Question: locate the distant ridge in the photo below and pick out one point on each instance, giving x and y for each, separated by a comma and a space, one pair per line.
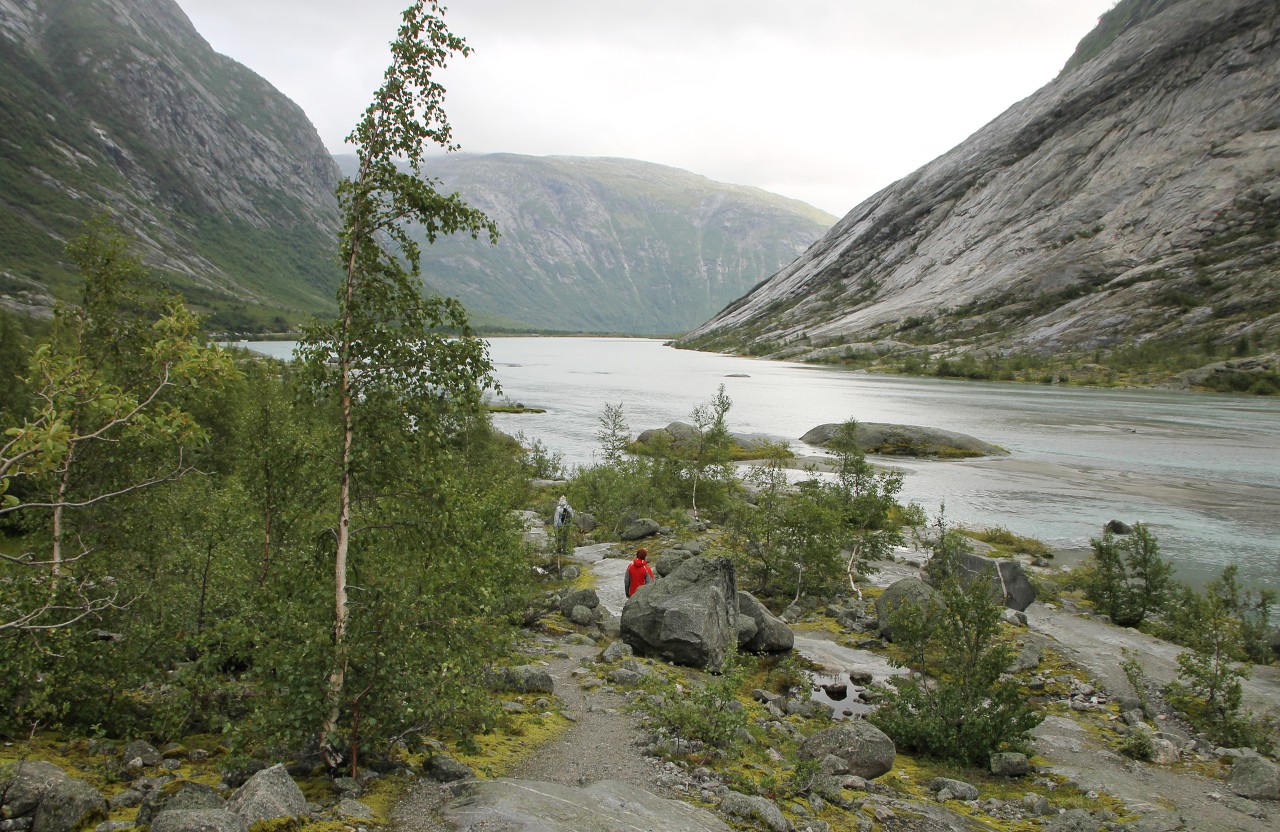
610, 245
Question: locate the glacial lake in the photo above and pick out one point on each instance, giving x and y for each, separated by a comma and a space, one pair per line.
1202, 470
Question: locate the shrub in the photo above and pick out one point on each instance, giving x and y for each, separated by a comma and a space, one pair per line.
969, 710
1128, 579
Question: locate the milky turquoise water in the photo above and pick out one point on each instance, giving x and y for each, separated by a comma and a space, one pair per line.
1202, 470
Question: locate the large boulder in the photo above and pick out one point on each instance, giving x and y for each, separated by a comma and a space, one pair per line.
269, 794
669, 560
1009, 583
865, 749
676, 433
908, 440
179, 795
689, 617
199, 820
53, 800
1255, 777
905, 591
772, 635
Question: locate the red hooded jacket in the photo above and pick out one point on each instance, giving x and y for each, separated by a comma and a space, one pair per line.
639, 573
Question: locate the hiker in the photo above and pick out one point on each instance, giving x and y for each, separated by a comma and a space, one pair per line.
563, 513
639, 572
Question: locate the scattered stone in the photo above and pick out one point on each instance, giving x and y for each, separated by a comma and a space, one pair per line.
570, 573
582, 616
126, 799
1028, 658
1118, 527
1073, 820
269, 794
754, 809
1009, 764
528, 678
625, 678
353, 810
960, 789
578, 598
199, 820
615, 651
445, 769
1036, 804
141, 751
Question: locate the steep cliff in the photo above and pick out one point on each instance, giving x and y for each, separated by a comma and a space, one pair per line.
120, 106
1136, 198
610, 245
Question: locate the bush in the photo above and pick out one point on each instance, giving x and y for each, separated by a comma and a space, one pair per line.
1128, 579
708, 713
969, 710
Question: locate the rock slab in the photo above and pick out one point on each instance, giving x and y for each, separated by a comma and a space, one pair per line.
605, 806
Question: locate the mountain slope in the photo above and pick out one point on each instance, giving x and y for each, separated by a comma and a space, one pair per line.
610, 245
1136, 198
121, 106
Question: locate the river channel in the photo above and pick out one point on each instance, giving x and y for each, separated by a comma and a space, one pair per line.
1202, 470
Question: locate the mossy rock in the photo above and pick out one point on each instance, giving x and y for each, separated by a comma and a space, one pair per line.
908, 440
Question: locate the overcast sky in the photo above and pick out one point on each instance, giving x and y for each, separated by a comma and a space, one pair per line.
821, 100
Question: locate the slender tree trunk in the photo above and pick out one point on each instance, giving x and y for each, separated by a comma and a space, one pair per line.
64, 483
337, 676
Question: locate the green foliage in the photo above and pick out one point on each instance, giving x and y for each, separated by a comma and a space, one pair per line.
707, 713
819, 533
1208, 689
1128, 580
614, 434
968, 711
1138, 744
541, 461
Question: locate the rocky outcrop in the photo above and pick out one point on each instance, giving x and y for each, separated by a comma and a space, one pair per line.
689, 617
767, 633
199, 820
1136, 195
908, 440
124, 108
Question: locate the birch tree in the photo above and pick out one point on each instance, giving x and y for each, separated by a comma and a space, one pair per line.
396, 361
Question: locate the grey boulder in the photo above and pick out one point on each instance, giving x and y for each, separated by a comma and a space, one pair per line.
689, 618
865, 749
578, 598
1009, 583
199, 820
269, 794
1256, 778
905, 591
445, 769
1009, 764
55, 801
525, 678
760, 812
605, 806
772, 635
141, 751
640, 528
180, 795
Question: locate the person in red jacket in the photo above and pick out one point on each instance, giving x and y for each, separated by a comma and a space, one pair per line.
639, 572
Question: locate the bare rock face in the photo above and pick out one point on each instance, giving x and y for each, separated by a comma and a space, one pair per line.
123, 107
605, 806
1137, 193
